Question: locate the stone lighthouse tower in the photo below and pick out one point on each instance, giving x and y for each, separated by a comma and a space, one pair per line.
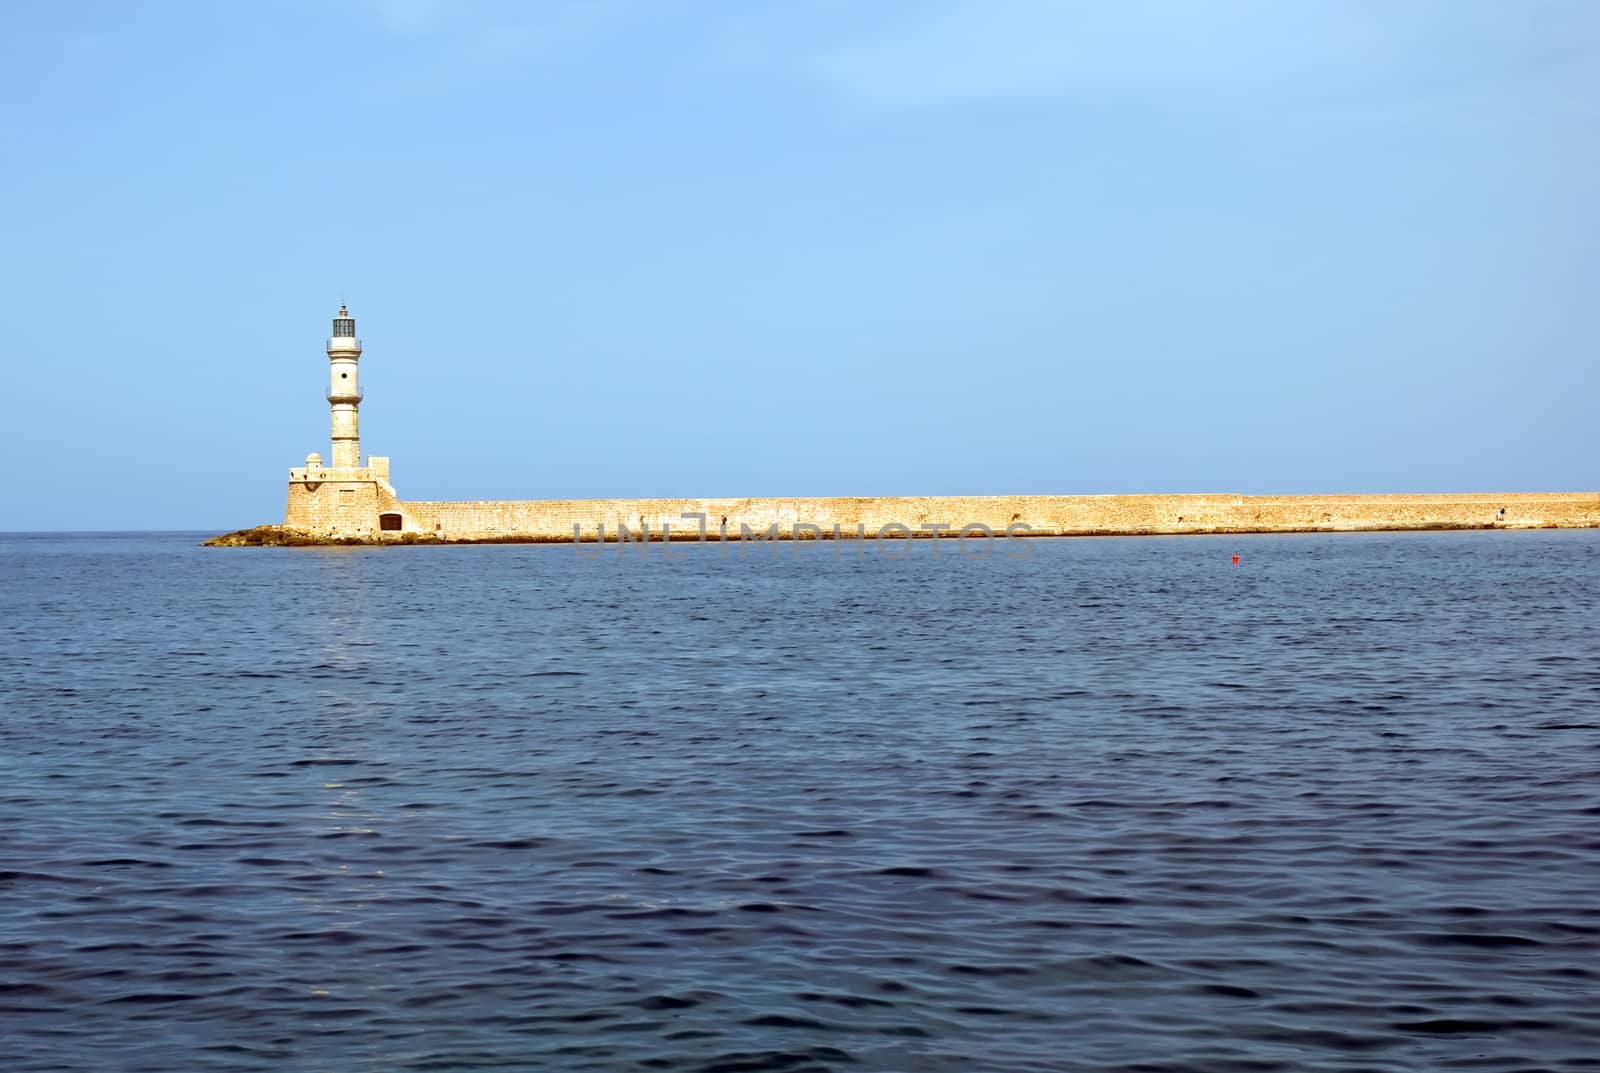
344, 390
344, 498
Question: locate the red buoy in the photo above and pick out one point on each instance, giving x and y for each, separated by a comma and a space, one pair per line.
1235, 560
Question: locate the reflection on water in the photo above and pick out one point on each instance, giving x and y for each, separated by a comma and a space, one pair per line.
1120, 805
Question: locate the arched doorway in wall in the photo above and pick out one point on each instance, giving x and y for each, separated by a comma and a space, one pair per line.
389, 522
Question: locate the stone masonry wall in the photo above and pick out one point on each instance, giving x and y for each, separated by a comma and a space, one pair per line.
1042, 515
333, 506
342, 502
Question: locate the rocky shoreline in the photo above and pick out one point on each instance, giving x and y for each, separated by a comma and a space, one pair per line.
279, 536
283, 536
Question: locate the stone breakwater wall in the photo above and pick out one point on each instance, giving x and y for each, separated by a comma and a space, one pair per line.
554, 520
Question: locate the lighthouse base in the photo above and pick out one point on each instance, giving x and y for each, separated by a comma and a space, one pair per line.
344, 501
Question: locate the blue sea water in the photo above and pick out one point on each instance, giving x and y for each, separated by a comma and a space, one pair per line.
1118, 804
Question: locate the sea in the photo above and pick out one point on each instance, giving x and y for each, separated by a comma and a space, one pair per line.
1047, 805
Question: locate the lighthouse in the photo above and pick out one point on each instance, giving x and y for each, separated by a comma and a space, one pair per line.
344, 498
344, 390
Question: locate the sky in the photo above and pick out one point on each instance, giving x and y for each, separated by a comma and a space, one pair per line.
620, 248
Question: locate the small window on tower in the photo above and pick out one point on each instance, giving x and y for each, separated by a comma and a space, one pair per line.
344, 328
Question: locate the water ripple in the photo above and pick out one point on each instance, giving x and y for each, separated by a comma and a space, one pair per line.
1117, 806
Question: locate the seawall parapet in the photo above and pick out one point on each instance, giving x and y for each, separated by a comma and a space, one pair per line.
787, 518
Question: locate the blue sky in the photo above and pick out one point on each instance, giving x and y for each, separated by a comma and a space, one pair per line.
741, 248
